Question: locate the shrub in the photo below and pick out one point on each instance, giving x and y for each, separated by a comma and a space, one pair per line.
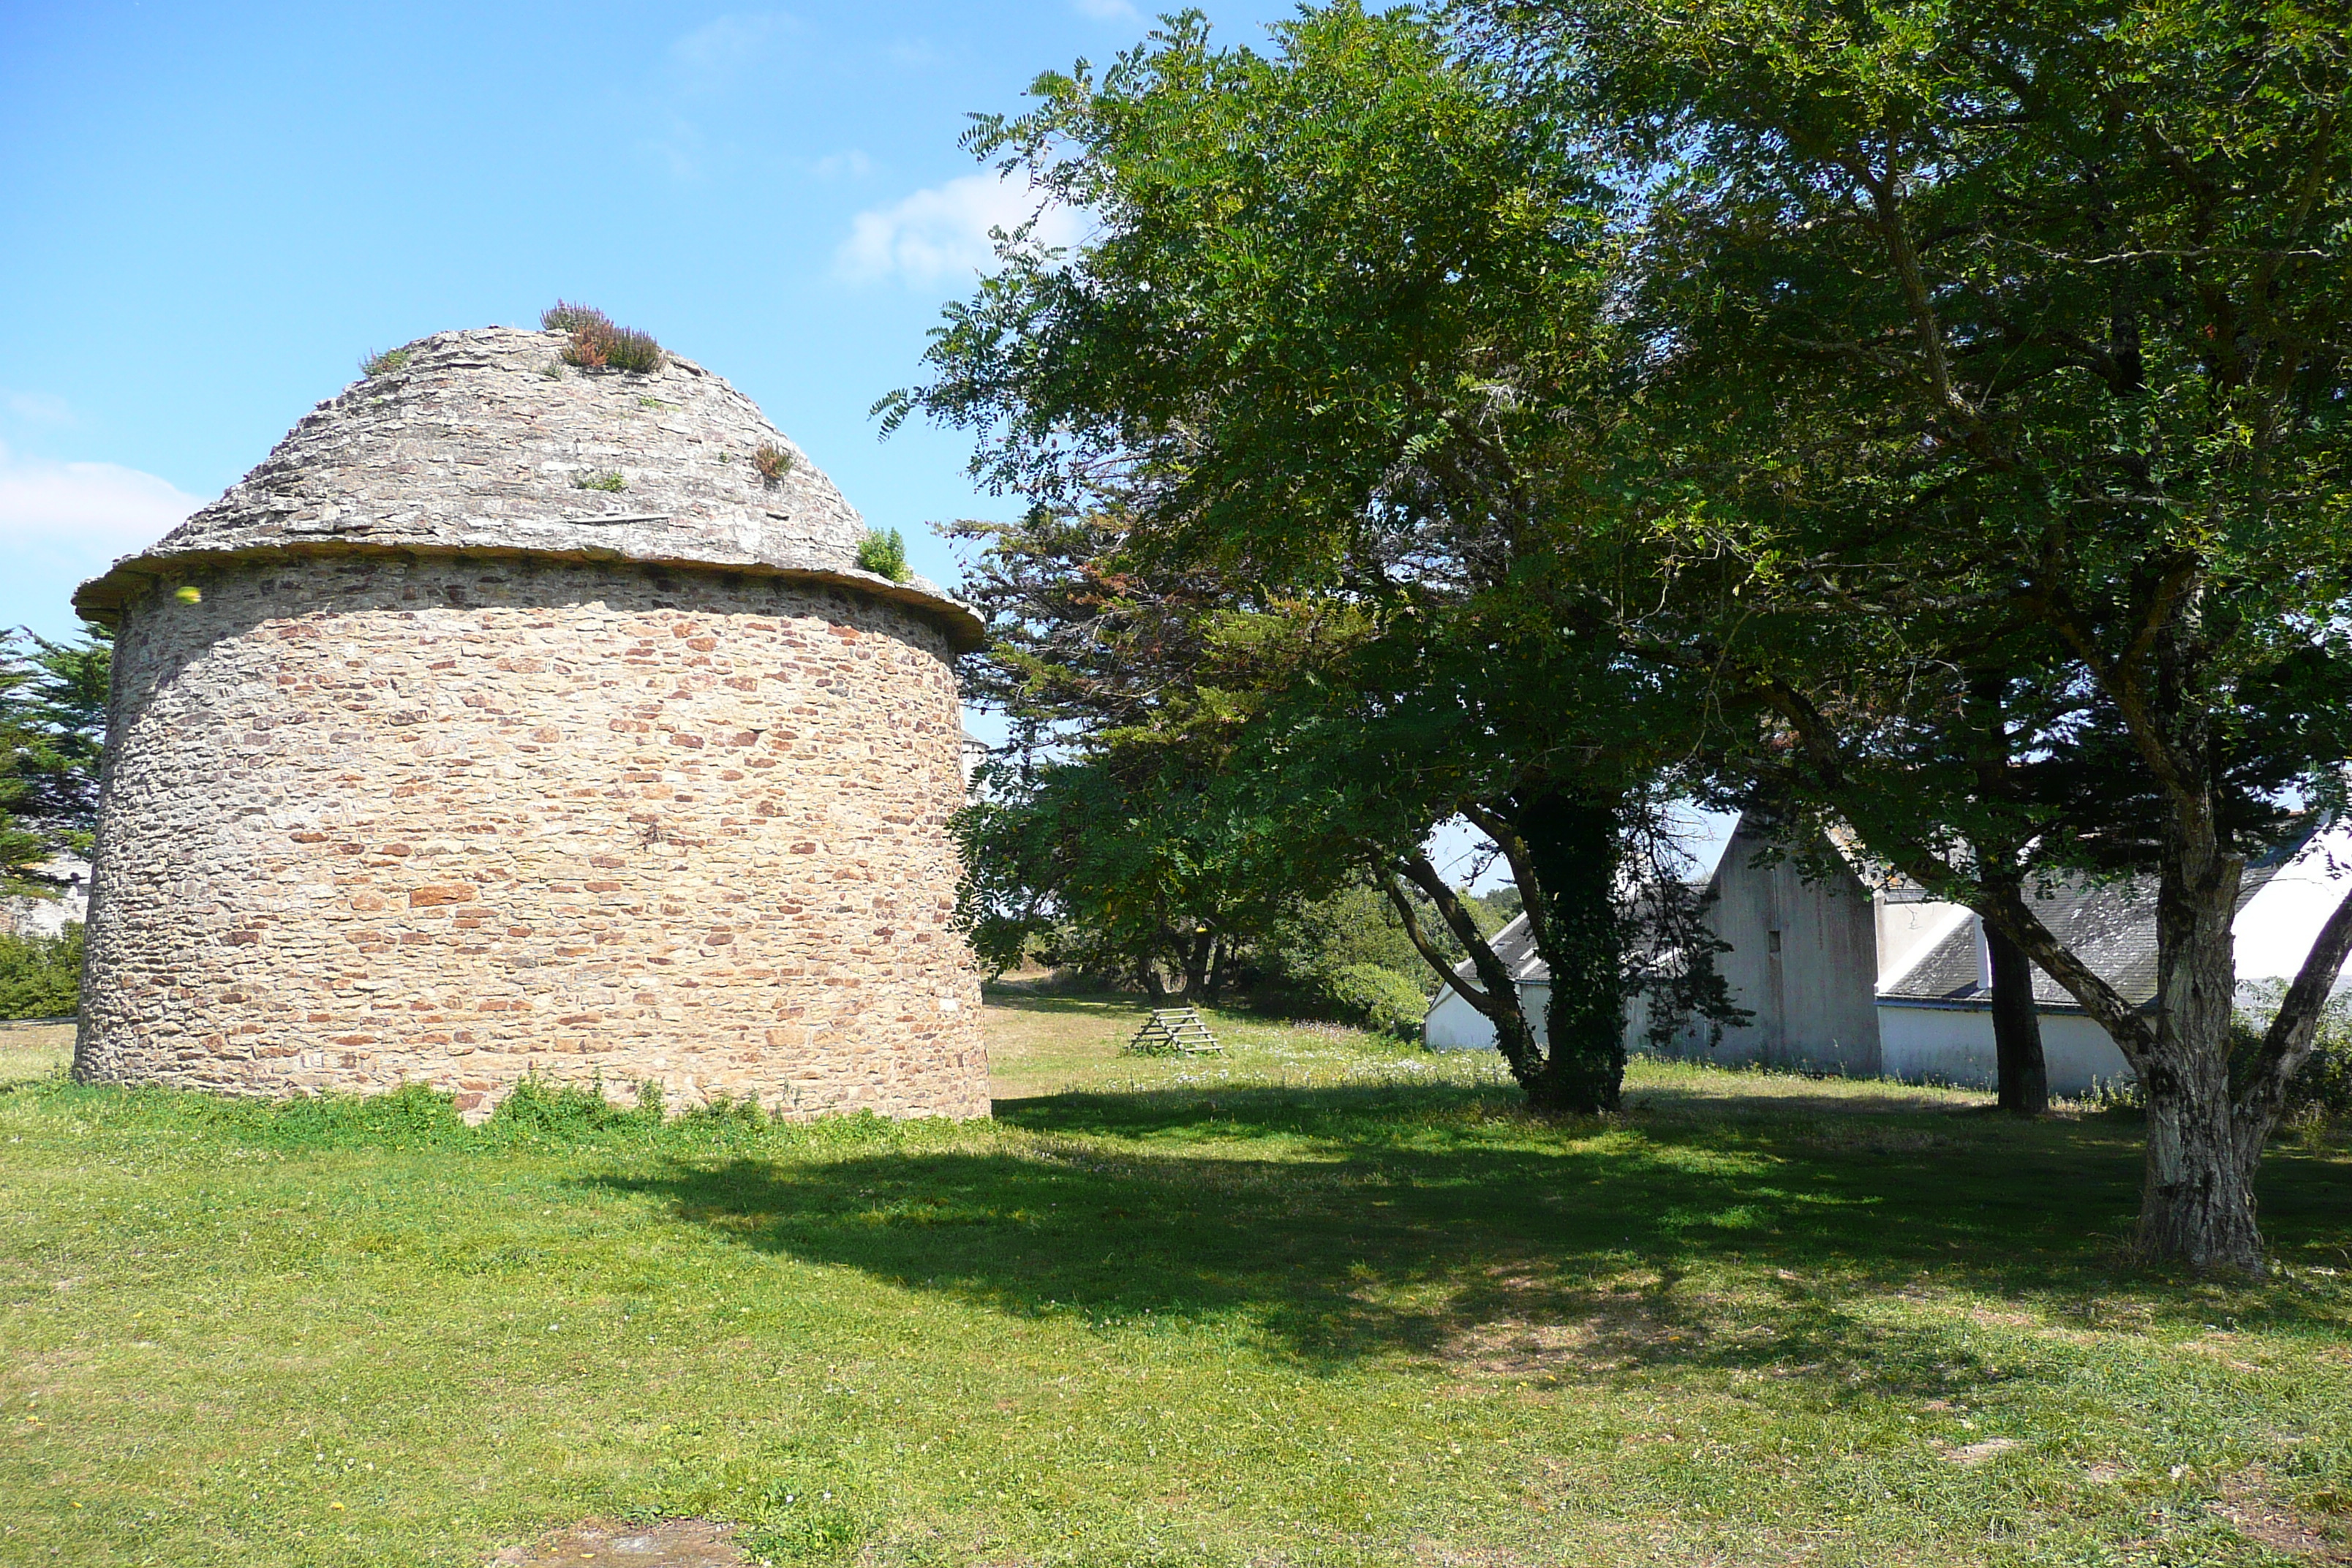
596, 344
601, 480
884, 554
774, 463
2320, 1093
538, 1107
374, 365
40, 976
566, 317
1377, 998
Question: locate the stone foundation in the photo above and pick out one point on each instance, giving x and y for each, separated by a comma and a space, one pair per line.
376, 819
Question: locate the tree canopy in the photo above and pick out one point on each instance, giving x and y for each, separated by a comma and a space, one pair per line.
52, 738
1929, 420
1996, 361
1308, 434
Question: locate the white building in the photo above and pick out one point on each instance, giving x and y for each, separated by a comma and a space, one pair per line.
47, 917
1841, 980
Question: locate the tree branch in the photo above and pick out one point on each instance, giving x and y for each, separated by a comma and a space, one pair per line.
1523, 871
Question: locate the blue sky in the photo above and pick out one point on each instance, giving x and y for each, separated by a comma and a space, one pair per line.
212, 211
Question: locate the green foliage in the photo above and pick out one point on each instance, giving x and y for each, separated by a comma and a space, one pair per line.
375, 363
1499, 908
1313, 433
40, 976
52, 740
773, 463
1355, 925
1347, 956
593, 342
882, 551
2320, 1093
538, 1108
1114, 864
1376, 997
600, 480
565, 317
414, 1116
1995, 388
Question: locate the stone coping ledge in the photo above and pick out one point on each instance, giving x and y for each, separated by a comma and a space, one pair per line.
101, 599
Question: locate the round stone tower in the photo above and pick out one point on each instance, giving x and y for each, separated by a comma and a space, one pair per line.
514, 717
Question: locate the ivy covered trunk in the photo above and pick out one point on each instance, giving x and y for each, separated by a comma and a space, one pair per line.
2020, 1072
1575, 848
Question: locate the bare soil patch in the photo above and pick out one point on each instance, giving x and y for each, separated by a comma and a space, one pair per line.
1973, 1454
672, 1543
2266, 1520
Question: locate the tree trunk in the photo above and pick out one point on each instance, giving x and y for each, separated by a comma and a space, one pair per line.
1496, 994
2024, 1078
2197, 1204
1196, 965
1573, 846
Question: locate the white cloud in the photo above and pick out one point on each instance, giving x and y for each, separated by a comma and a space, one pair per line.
1106, 10
849, 164
94, 510
684, 148
942, 231
35, 408
61, 523
715, 56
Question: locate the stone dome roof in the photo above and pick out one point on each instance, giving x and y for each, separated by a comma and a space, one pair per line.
485, 442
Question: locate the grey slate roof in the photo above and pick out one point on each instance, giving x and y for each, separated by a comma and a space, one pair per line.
2111, 926
1515, 944
483, 442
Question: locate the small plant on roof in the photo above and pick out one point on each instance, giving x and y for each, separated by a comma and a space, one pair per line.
601, 480
596, 344
373, 364
773, 462
884, 553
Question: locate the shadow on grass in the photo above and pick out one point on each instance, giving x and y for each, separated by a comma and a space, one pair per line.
1043, 996
1332, 1224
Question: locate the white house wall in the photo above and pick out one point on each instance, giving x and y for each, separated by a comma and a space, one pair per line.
47, 917
1453, 1024
1954, 1045
1803, 960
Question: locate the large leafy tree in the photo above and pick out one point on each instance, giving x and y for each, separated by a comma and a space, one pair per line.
1997, 389
1307, 426
1129, 860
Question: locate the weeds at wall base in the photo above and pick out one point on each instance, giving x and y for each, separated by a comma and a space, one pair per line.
537, 1114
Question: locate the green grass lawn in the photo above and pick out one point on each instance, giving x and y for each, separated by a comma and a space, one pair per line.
1325, 1300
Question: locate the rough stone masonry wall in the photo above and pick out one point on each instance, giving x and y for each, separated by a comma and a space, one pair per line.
374, 820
